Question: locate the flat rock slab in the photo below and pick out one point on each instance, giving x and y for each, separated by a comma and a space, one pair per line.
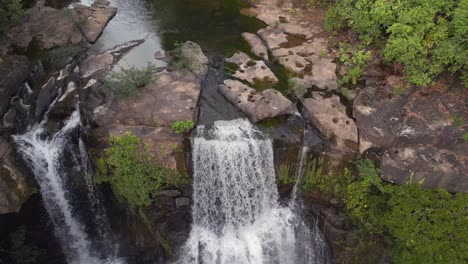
328, 115
257, 106
273, 37
96, 18
256, 44
252, 71
432, 166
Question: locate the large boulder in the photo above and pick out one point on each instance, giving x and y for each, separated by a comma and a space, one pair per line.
434, 167
14, 70
193, 53
95, 18
255, 105
329, 116
15, 189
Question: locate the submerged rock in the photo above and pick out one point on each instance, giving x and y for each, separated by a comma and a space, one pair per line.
256, 44
255, 105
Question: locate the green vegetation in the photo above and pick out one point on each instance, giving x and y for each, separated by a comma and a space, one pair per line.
131, 172
355, 58
284, 177
465, 137
126, 81
181, 127
179, 61
457, 120
11, 11
419, 225
19, 251
78, 21
427, 37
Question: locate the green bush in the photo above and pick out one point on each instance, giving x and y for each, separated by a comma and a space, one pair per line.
355, 58
426, 36
420, 225
181, 127
131, 172
126, 82
11, 11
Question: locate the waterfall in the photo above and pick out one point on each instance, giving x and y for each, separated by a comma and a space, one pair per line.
45, 156
236, 214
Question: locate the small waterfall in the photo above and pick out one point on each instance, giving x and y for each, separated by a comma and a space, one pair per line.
299, 175
236, 214
45, 155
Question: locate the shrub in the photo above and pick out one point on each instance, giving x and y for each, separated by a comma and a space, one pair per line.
20, 250
355, 58
420, 225
284, 175
131, 172
181, 127
126, 82
427, 37
11, 11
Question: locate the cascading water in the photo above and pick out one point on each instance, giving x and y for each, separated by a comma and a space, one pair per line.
45, 156
236, 214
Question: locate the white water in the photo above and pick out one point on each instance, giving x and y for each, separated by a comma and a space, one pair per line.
44, 155
236, 214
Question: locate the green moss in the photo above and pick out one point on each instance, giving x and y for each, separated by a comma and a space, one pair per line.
183, 126
11, 12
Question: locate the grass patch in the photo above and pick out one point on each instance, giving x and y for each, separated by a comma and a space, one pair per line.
181, 127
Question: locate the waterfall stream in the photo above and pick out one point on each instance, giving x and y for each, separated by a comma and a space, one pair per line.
45, 155
236, 214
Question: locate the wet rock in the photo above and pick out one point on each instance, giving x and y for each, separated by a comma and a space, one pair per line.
182, 201
96, 18
15, 188
252, 71
256, 44
273, 37
13, 72
47, 94
67, 103
160, 55
432, 166
170, 193
256, 106
328, 115
198, 61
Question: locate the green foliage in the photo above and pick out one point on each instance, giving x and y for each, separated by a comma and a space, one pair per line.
465, 137
20, 251
355, 58
131, 172
126, 81
284, 175
427, 37
181, 127
457, 120
420, 225
78, 21
11, 12
347, 93
179, 61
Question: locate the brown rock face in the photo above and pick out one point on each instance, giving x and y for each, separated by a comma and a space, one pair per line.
96, 18
13, 72
257, 106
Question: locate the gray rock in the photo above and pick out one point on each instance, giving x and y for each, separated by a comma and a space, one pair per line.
170, 193
97, 16
182, 201
273, 37
328, 115
96, 64
47, 94
198, 61
256, 44
13, 72
252, 71
434, 167
256, 106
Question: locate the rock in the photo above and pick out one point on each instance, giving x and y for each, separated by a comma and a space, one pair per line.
96, 64
198, 61
434, 167
273, 37
170, 193
160, 55
182, 201
13, 72
308, 31
15, 189
256, 106
47, 94
256, 44
252, 71
67, 103
97, 16
328, 115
